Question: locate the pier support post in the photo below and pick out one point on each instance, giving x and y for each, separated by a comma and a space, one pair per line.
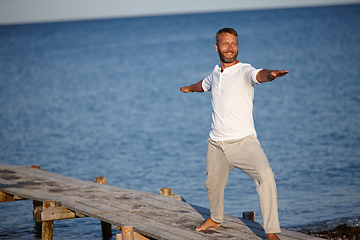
166, 192
127, 233
47, 230
105, 226
47, 226
101, 180
249, 215
38, 225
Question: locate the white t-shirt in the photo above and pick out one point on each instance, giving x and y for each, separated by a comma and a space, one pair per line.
232, 101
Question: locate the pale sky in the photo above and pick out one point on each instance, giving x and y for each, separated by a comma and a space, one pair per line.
34, 11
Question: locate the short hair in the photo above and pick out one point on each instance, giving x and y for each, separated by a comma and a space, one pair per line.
225, 30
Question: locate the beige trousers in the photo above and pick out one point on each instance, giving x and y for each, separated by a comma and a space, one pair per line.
247, 155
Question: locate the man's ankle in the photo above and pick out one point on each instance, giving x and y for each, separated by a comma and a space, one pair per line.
272, 236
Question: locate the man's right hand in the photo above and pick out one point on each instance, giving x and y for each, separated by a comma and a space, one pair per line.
186, 89
197, 87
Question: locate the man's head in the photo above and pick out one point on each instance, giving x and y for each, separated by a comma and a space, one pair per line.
227, 45
225, 30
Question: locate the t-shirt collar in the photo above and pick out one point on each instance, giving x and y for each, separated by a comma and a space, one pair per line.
228, 68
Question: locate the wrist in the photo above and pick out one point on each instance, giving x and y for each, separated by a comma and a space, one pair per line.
270, 77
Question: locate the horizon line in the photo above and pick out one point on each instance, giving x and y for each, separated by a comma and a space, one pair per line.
55, 12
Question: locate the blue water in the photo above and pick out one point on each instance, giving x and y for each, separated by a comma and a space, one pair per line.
101, 98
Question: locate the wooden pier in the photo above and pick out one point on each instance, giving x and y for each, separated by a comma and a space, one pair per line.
153, 216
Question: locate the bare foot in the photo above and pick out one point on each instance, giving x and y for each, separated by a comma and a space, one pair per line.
209, 223
272, 236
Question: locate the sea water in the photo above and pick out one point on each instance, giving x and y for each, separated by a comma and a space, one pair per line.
102, 98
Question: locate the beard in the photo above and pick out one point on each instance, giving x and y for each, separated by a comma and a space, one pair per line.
225, 59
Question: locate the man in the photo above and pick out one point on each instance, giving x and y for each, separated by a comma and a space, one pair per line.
232, 140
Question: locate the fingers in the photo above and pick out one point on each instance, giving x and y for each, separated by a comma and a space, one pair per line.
275, 74
284, 72
279, 73
185, 89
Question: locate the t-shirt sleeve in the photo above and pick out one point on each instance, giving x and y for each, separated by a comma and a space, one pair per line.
206, 83
250, 73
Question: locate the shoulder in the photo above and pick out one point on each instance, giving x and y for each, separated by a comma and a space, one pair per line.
244, 65
216, 71
217, 68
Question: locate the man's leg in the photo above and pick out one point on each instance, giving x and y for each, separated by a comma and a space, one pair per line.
217, 171
266, 189
248, 156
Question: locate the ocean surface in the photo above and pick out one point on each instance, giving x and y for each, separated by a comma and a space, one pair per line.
102, 98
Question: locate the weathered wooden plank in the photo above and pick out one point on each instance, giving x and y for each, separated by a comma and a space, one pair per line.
34, 179
180, 217
176, 208
54, 180
145, 226
31, 178
169, 223
184, 208
179, 220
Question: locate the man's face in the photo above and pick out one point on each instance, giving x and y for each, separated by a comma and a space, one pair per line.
227, 47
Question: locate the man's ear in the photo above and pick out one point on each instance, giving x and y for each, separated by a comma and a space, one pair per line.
216, 47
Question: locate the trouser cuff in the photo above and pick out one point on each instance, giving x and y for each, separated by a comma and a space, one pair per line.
272, 230
217, 220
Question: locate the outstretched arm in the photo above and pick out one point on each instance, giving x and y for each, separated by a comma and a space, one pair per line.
266, 75
197, 87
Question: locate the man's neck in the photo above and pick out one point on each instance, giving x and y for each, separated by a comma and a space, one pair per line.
226, 65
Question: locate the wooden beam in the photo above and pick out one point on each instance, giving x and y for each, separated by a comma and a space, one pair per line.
53, 213
5, 197
19, 198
